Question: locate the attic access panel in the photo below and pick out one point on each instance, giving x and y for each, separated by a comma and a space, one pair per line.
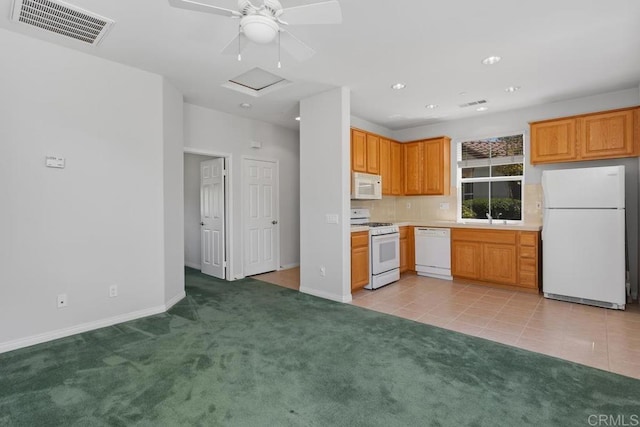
256, 82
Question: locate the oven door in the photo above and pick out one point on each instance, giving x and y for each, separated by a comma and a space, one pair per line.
385, 252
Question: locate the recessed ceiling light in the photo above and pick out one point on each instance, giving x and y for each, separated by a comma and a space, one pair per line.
490, 60
431, 106
398, 86
462, 93
298, 118
512, 89
245, 105
482, 108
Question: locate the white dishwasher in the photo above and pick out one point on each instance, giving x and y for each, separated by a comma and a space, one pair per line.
433, 252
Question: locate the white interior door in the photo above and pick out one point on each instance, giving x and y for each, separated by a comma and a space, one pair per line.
212, 217
260, 216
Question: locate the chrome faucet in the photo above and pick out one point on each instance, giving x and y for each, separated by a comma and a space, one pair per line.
490, 218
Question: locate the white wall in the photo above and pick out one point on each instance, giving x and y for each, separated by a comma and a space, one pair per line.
99, 221
173, 175
357, 122
324, 189
192, 244
220, 133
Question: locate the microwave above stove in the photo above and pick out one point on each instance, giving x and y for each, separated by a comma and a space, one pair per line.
365, 186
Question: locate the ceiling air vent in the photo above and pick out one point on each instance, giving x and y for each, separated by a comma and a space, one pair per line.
62, 18
471, 104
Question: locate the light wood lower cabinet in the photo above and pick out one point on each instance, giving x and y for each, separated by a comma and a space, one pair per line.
407, 249
359, 260
502, 257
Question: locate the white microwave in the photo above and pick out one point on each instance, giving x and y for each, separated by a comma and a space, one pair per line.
366, 186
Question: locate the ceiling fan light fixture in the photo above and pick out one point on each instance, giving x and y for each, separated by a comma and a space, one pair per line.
259, 29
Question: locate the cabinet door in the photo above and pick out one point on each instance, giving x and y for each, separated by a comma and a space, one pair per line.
606, 135
373, 154
358, 151
359, 260
466, 259
499, 263
553, 141
396, 168
385, 165
404, 254
413, 168
436, 169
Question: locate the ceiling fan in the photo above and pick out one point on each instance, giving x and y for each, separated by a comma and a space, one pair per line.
261, 24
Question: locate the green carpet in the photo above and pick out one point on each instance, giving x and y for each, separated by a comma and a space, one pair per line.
249, 353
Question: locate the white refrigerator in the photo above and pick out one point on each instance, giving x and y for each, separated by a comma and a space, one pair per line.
583, 236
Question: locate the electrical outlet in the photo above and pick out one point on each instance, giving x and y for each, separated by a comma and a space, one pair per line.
62, 301
113, 291
323, 271
538, 205
408, 205
444, 206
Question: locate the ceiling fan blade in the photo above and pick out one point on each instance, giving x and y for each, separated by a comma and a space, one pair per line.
203, 7
326, 12
298, 49
232, 48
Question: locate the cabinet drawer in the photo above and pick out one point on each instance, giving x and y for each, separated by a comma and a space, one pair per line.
484, 236
527, 252
528, 239
528, 279
359, 239
528, 265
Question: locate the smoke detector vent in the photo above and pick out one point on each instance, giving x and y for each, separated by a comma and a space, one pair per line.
471, 104
62, 18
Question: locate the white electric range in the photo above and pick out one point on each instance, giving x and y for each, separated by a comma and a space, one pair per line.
384, 249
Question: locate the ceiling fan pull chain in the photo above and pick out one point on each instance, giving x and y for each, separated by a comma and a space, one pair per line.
239, 37
279, 64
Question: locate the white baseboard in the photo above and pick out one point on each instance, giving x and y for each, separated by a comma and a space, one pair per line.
90, 326
326, 295
195, 265
288, 266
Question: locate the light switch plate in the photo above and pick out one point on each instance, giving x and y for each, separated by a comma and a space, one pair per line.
55, 162
331, 218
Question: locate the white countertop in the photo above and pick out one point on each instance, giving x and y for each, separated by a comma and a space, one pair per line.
454, 224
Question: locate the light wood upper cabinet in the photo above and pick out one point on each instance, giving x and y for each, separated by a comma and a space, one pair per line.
373, 154
427, 167
359, 260
358, 151
385, 165
412, 154
437, 166
553, 141
396, 168
604, 135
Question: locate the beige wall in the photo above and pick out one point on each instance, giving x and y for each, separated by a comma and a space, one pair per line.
440, 208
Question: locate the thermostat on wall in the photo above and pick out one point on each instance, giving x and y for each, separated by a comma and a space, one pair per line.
55, 162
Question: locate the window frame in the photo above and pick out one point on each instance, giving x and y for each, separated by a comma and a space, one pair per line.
460, 181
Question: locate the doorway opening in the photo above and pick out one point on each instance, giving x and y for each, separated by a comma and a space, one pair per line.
207, 213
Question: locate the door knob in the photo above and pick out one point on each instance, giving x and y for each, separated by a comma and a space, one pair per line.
202, 223
274, 222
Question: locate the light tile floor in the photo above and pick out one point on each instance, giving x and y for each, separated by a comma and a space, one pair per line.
598, 337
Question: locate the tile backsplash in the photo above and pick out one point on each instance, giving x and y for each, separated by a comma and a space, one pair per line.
442, 208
